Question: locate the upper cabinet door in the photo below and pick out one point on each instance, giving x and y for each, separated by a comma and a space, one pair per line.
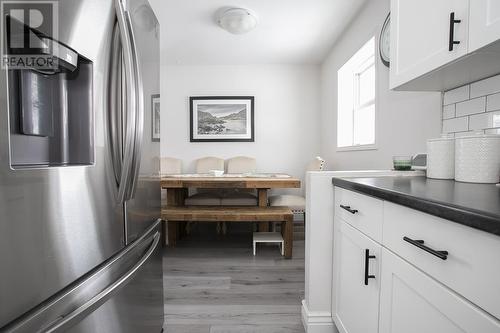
422, 33
484, 23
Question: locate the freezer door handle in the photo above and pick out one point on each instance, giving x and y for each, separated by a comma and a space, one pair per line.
86, 294
95, 302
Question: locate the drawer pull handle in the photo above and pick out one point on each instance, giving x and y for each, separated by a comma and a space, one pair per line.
420, 244
348, 208
367, 264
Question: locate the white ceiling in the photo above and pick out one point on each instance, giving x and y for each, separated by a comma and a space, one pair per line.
289, 31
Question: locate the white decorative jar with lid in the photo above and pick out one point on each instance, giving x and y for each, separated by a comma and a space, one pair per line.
441, 158
477, 158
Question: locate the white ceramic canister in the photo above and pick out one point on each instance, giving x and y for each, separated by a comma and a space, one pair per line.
441, 158
477, 158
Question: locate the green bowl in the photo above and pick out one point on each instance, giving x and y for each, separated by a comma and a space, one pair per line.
402, 163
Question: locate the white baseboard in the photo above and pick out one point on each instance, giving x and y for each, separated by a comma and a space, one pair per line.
317, 322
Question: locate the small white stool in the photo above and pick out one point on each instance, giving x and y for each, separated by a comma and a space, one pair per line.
268, 237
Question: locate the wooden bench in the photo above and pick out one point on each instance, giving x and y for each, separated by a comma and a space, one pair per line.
175, 214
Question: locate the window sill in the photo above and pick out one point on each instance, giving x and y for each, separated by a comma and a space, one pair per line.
357, 148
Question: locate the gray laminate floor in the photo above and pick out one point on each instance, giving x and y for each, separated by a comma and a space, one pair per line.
217, 286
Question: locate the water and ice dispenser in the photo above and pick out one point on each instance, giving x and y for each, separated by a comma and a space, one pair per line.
51, 114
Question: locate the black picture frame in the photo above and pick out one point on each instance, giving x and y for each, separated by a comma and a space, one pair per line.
250, 100
155, 100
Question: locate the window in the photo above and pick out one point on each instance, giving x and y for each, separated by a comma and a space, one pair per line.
356, 100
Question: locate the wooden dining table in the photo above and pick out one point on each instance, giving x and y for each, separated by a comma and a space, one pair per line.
177, 186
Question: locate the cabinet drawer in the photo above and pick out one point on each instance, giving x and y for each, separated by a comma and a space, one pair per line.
361, 211
472, 265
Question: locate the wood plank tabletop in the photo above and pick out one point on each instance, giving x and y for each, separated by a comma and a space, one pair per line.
228, 181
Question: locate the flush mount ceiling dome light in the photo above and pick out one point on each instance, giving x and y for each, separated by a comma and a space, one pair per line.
237, 20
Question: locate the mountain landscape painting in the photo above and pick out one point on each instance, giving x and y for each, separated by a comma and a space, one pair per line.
221, 119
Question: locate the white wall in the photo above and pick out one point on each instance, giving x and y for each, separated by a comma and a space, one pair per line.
405, 119
287, 113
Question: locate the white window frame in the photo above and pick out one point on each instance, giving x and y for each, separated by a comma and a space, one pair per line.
365, 65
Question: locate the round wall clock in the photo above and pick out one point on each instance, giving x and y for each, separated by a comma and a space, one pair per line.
385, 41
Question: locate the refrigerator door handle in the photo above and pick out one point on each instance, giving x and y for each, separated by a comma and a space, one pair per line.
94, 303
131, 104
116, 104
139, 112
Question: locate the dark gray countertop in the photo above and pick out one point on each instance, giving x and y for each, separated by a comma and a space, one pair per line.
474, 205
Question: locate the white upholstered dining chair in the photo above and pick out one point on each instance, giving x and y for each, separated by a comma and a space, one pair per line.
203, 196
169, 166
206, 197
297, 203
241, 164
240, 197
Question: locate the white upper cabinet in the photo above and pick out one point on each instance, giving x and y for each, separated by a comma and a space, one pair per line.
484, 23
425, 35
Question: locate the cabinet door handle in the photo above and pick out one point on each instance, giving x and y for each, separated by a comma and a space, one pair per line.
367, 266
452, 41
348, 208
420, 244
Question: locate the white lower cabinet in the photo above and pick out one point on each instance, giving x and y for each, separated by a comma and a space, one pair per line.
399, 284
412, 302
357, 280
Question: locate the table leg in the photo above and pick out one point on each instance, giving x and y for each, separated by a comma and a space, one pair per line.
175, 197
262, 192
164, 233
172, 233
182, 229
287, 233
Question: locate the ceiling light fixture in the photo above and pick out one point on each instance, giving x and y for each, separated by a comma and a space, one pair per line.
237, 20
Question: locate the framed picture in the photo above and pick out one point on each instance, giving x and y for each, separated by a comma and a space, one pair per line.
155, 118
222, 119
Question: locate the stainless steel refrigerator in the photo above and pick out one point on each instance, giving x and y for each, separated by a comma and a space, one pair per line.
79, 203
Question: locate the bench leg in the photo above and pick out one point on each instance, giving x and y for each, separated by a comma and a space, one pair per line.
287, 233
263, 226
172, 233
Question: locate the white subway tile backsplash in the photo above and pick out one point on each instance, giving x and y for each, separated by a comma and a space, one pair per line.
484, 120
456, 125
472, 106
493, 102
456, 95
492, 131
469, 133
485, 87
449, 111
